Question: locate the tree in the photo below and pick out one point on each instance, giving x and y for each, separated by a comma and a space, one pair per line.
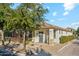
77, 32
4, 12
26, 17
30, 17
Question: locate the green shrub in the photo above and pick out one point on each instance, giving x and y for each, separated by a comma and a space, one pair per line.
64, 39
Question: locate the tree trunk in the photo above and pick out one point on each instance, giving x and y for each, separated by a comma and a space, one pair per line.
19, 37
2, 38
24, 40
9, 41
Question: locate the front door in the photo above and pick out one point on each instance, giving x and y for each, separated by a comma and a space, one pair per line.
40, 37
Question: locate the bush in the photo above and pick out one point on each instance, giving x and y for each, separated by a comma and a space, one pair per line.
64, 39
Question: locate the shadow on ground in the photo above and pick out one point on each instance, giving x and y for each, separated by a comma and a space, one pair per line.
7, 50
40, 53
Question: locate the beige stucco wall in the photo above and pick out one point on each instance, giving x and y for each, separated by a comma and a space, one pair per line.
64, 33
51, 38
69, 33
57, 36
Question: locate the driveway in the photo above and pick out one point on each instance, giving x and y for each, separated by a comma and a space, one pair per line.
71, 49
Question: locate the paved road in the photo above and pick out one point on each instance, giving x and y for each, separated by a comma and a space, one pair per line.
71, 49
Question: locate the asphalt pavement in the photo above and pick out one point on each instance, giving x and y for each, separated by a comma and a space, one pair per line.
71, 49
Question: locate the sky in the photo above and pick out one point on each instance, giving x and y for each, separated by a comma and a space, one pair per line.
61, 14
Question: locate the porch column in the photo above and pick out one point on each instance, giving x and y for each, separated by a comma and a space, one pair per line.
46, 36
51, 36
57, 40
33, 36
36, 36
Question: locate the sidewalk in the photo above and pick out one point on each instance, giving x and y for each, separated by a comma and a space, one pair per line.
53, 49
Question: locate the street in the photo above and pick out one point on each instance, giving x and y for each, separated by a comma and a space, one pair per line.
71, 49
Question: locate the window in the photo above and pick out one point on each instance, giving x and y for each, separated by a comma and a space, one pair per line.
30, 34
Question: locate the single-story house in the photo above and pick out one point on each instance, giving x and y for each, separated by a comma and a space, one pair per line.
49, 34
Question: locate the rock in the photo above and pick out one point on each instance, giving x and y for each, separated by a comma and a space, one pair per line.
21, 54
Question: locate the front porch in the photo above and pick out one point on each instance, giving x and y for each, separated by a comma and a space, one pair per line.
43, 36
